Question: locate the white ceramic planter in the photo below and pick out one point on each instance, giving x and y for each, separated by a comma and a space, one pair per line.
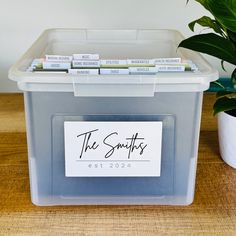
227, 138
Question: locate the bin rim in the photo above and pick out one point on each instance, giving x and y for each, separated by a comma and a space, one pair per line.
25, 79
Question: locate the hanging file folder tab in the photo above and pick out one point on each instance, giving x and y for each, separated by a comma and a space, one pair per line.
85, 64
143, 70
114, 71
86, 56
56, 65
58, 58
167, 61
114, 63
83, 71
140, 62
170, 68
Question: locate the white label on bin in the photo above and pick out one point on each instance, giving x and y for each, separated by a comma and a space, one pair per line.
113, 149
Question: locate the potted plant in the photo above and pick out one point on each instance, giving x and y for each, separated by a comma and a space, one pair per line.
221, 44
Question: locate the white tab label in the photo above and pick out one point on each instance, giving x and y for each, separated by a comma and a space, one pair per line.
58, 58
114, 71
143, 70
86, 56
140, 62
170, 68
112, 149
167, 60
90, 64
56, 65
83, 71
113, 63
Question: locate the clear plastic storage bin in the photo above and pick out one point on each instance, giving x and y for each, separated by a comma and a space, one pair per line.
173, 100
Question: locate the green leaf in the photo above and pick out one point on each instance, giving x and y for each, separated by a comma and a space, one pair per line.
213, 45
232, 35
219, 84
222, 65
233, 77
224, 104
221, 94
206, 21
223, 10
203, 3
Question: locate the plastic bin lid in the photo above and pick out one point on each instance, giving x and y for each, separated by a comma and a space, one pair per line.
112, 44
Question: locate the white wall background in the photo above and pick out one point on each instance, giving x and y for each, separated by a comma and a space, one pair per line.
21, 21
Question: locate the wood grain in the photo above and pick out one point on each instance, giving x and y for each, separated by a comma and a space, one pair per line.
208, 122
212, 213
12, 118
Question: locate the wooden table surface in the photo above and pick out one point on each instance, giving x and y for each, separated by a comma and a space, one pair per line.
212, 213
